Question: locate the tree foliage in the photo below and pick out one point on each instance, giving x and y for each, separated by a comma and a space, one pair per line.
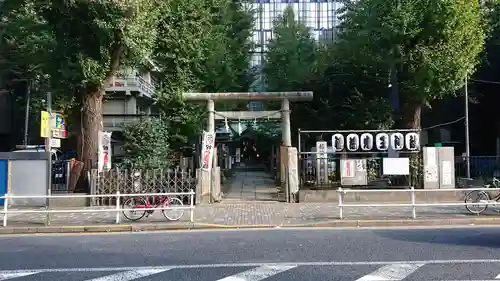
431, 45
291, 54
146, 144
345, 95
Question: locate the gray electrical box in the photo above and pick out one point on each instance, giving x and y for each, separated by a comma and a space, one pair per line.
439, 167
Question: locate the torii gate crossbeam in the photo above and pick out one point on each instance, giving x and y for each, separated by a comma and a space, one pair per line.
285, 98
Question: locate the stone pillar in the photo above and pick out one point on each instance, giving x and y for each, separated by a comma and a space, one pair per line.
285, 123
211, 116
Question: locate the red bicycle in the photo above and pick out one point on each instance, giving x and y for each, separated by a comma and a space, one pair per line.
139, 204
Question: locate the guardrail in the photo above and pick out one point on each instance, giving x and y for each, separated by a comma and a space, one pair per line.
118, 209
341, 192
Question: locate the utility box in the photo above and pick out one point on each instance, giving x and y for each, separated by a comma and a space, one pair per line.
25, 174
439, 167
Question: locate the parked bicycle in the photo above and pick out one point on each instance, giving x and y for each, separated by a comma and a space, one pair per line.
139, 204
482, 196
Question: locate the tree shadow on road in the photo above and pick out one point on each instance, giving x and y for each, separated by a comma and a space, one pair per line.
478, 237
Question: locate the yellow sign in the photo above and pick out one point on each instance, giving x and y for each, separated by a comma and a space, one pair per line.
45, 124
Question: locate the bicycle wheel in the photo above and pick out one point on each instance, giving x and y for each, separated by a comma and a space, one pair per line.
476, 196
132, 203
173, 214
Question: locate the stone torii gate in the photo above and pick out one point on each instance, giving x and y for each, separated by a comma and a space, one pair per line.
206, 191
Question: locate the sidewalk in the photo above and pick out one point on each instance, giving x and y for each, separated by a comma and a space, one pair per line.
254, 214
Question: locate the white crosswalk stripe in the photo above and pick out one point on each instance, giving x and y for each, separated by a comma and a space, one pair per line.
7, 275
391, 272
368, 271
258, 274
129, 275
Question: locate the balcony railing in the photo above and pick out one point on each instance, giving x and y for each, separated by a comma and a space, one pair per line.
132, 84
116, 122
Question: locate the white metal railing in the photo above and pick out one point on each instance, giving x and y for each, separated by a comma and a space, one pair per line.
118, 209
341, 192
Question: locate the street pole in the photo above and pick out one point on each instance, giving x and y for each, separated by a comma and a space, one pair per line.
467, 144
48, 148
27, 112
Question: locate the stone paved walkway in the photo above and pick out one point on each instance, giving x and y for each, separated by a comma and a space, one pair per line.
256, 213
250, 185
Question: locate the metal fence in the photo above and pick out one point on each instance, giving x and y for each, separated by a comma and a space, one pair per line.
413, 201
480, 166
118, 204
60, 175
138, 181
308, 171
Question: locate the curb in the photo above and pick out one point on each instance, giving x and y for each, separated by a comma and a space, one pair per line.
200, 226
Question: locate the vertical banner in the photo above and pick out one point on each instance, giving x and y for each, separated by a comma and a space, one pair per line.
322, 161
104, 150
207, 150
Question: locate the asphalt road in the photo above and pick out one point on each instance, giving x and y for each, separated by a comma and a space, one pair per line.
254, 255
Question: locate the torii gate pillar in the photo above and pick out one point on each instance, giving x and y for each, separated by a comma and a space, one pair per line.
286, 133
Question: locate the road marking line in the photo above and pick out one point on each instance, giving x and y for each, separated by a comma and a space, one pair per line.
391, 272
256, 264
5, 276
257, 274
498, 276
128, 275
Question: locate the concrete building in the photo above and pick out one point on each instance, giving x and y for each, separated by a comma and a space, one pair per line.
320, 15
128, 98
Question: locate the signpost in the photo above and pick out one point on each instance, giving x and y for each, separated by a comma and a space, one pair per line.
322, 161
53, 127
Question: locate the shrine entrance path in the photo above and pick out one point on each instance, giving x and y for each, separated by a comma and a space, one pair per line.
250, 183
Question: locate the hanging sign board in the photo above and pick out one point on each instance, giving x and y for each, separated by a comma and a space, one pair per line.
104, 150
207, 150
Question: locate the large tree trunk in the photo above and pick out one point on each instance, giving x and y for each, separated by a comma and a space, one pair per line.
412, 112
411, 119
91, 114
91, 124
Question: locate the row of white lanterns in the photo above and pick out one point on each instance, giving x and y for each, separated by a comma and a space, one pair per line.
398, 141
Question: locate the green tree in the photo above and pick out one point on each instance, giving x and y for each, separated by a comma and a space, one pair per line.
289, 63
146, 144
26, 44
291, 54
88, 42
429, 46
227, 64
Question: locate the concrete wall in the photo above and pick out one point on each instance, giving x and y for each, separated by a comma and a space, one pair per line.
381, 197
125, 105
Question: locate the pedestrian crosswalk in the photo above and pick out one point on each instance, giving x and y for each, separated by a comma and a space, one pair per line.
369, 271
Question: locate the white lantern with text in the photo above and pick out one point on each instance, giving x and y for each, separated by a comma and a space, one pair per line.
338, 142
397, 141
352, 142
412, 141
366, 141
382, 141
